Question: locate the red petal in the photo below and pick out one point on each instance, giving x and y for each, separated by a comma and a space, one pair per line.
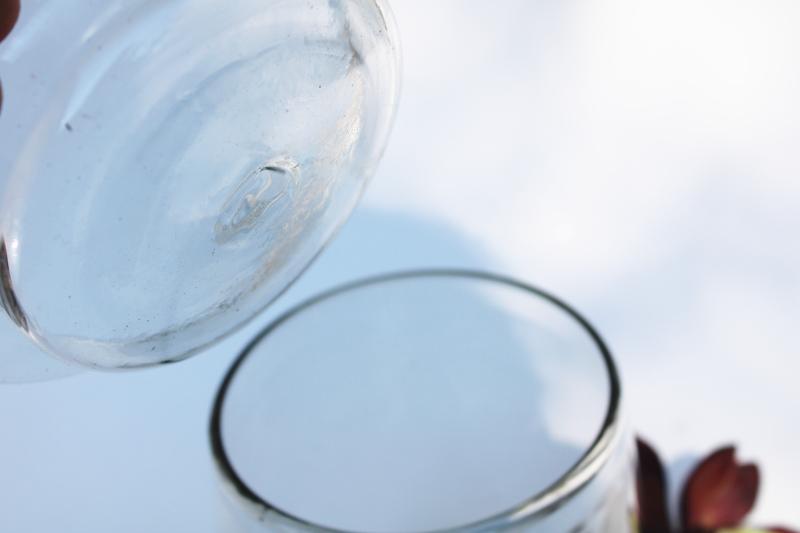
651, 488
9, 13
781, 530
719, 493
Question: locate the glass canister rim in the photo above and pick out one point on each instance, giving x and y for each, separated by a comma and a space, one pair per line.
539, 505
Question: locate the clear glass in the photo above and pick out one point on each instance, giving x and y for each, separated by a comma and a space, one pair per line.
22, 361
426, 401
173, 165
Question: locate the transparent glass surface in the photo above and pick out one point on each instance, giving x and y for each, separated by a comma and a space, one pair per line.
429, 401
174, 165
22, 361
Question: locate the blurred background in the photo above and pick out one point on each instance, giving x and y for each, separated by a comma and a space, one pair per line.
638, 159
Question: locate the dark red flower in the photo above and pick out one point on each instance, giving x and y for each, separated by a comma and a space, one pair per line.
719, 493
9, 13
651, 487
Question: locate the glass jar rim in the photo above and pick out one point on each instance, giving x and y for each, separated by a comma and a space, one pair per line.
538, 505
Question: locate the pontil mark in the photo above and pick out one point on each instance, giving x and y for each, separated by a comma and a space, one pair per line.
252, 202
